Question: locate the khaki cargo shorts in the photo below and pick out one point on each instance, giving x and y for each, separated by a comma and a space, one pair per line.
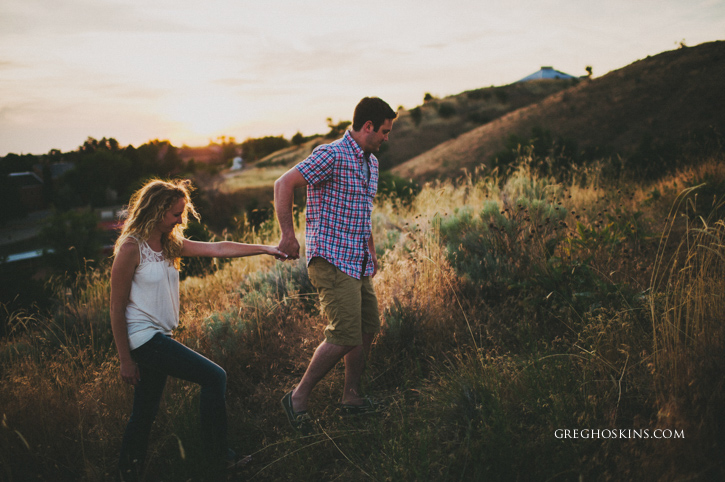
349, 304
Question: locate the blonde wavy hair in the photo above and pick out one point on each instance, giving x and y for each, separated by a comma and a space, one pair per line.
146, 209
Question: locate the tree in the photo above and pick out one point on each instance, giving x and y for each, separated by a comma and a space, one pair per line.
417, 115
589, 71
336, 130
98, 174
255, 149
17, 163
229, 148
298, 139
92, 145
446, 110
13, 208
73, 237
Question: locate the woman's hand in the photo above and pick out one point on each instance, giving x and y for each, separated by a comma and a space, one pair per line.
130, 372
275, 251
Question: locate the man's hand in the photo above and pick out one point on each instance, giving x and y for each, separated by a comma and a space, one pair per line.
290, 246
373, 255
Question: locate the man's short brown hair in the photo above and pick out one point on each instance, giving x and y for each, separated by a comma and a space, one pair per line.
372, 109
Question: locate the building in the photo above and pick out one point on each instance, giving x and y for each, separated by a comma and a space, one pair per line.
30, 190
547, 72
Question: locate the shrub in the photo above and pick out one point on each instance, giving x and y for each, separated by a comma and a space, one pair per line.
479, 117
446, 110
502, 243
199, 266
397, 189
298, 139
543, 154
284, 280
417, 115
255, 149
337, 130
72, 238
709, 195
484, 93
501, 95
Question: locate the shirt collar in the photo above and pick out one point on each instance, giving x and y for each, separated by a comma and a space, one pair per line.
359, 153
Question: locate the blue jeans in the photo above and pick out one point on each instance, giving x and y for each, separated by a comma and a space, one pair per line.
158, 358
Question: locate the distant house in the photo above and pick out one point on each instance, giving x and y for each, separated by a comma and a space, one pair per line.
30, 190
211, 154
547, 72
57, 169
110, 223
237, 163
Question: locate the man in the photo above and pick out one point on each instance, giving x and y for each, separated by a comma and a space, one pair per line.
341, 180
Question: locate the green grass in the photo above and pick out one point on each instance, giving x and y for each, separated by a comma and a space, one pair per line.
252, 177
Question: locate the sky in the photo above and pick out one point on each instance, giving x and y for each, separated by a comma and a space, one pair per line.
192, 71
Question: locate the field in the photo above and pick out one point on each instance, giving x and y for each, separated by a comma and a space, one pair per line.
532, 330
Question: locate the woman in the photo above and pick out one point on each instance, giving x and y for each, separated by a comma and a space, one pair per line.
145, 310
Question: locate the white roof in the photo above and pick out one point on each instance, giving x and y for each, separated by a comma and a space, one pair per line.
547, 73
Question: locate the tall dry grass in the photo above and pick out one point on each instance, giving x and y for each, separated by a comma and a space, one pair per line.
589, 322
686, 305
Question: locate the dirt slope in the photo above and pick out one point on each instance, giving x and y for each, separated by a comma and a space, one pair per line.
420, 129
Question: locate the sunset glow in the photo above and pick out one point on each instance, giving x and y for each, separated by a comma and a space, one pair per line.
192, 71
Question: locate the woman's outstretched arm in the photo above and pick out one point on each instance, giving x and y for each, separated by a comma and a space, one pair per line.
227, 249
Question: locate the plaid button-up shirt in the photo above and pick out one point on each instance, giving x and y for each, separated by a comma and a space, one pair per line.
339, 205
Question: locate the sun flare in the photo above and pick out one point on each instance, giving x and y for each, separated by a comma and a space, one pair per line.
202, 114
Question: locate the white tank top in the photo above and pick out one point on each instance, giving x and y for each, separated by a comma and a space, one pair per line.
153, 305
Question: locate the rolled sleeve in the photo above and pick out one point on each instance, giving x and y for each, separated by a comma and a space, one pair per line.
318, 167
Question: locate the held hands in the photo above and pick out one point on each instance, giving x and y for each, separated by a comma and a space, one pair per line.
278, 255
290, 247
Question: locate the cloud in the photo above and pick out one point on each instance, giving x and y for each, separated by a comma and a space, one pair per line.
74, 17
11, 64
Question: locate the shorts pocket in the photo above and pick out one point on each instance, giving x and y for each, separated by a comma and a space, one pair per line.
322, 273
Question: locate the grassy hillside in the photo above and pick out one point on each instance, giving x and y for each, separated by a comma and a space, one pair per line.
425, 126
513, 309
651, 103
421, 128
416, 131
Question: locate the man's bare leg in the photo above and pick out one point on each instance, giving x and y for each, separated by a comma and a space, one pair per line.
354, 366
326, 356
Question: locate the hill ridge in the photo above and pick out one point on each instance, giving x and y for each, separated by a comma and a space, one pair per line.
661, 96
